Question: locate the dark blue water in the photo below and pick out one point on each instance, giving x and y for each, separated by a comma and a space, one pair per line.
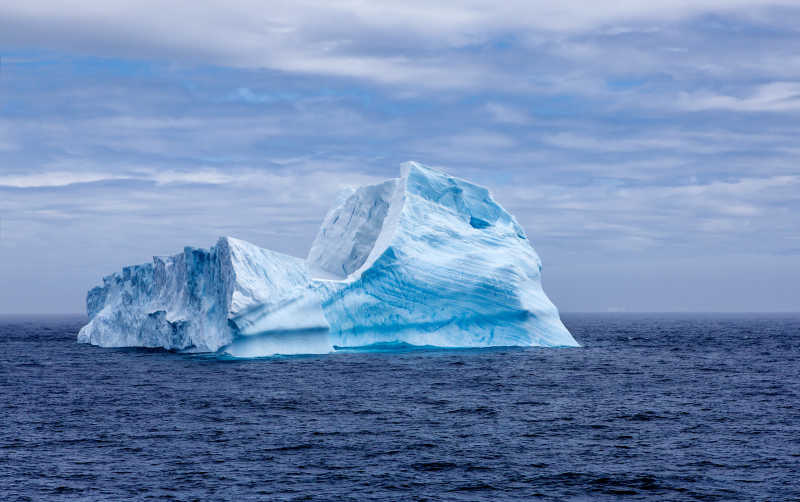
656, 407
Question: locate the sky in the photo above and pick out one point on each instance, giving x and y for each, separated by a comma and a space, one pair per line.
650, 149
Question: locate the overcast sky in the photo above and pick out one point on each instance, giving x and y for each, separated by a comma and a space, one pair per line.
650, 149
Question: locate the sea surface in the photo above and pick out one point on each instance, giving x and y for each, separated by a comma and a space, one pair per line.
652, 407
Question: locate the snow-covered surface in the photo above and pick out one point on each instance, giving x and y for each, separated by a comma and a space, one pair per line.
426, 259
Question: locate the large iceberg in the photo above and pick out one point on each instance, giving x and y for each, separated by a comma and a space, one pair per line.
425, 259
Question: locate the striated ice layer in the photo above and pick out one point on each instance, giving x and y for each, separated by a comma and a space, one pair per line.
449, 267
425, 259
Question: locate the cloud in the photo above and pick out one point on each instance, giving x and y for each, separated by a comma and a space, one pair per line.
694, 218
51, 179
772, 97
619, 143
55, 179
624, 139
244, 119
507, 114
411, 44
247, 95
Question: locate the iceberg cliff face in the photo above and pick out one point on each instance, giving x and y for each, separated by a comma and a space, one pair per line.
426, 259
202, 300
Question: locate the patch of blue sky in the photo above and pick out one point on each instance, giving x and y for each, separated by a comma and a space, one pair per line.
625, 84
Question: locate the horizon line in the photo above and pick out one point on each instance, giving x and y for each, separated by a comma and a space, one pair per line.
5, 314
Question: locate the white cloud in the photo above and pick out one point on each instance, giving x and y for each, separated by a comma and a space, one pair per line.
278, 184
507, 114
679, 142
651, 217
382, 41
52, 179
614, 143
772, 97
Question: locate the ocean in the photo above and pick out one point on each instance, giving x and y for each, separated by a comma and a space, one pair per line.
652, 407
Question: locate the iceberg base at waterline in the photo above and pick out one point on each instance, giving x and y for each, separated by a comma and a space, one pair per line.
299, 342
425, 259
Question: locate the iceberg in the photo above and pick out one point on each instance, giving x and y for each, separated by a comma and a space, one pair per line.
424, 259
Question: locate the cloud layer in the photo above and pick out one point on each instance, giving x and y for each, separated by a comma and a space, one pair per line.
648, 147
